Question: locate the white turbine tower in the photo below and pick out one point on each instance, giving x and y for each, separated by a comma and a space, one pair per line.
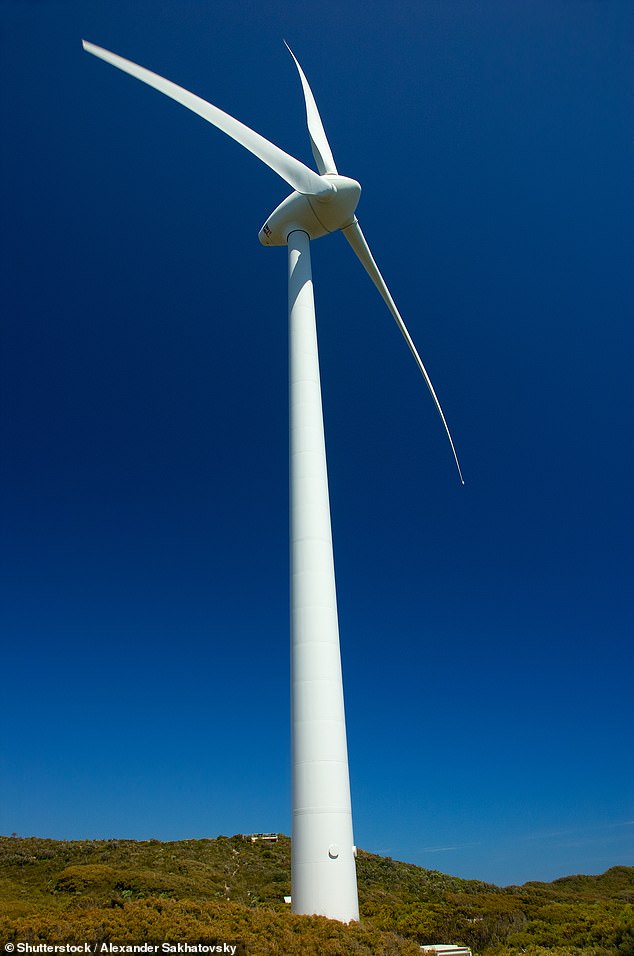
323, 854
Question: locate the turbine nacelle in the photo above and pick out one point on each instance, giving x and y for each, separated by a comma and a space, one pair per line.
314, 215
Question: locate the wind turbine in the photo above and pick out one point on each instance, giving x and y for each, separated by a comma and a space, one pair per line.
323, 879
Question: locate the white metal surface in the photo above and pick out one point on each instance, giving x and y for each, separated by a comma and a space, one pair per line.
358, 242
323, 854
308, 211
324, 878
299, 176
318, 139
315, 215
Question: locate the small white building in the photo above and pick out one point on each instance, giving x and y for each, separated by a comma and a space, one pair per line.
446, 949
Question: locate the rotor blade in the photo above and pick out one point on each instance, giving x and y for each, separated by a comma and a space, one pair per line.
299, 176
357, 240
318, 141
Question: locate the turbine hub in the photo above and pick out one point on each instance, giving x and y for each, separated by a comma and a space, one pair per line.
314, 215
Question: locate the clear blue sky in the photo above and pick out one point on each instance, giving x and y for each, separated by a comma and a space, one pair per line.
487, 630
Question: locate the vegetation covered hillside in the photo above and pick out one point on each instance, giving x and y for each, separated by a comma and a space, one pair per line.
231, 889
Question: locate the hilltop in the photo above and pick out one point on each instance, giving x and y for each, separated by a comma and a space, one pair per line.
232, 889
